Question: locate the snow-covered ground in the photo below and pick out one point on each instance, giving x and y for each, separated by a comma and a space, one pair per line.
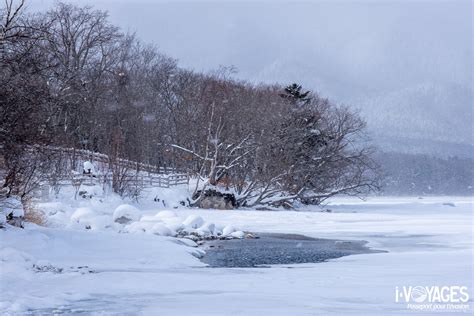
65, 268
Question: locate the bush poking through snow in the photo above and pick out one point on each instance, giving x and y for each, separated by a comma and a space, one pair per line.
44, 266
33, 215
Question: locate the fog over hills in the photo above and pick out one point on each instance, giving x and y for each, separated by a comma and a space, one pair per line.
407, 65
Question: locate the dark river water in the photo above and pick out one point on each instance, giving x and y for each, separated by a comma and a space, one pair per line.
271, 249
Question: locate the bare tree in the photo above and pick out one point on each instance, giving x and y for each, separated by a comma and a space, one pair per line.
71, 79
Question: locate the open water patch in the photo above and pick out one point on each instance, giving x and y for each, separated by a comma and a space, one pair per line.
269, 249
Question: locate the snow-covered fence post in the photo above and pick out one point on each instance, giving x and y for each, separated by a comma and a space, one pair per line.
76, 183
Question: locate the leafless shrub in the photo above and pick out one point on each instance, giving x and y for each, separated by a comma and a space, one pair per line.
34, 215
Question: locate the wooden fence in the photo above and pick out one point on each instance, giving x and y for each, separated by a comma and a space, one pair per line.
102, 161
144, 181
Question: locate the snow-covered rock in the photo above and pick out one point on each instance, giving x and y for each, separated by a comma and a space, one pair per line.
176, 227
238, 234
125, 214
89, 167
12, 206
11, 209
198, 253
193, 221
187, 242
162, 230
227, 230
81, 213
206, 229
84, 217
139, 227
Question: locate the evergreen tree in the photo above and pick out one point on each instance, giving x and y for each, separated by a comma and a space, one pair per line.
295, 95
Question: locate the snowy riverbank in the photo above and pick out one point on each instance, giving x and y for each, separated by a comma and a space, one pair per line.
70, 270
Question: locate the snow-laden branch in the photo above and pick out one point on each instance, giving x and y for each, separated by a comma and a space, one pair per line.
191, 152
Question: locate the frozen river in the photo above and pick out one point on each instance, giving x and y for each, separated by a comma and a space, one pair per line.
428, 243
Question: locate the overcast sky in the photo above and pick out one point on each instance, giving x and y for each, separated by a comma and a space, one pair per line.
381, 43
350, 51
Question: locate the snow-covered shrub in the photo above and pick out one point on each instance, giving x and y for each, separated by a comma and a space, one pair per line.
33, 215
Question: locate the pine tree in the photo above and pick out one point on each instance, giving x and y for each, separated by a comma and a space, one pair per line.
294, 94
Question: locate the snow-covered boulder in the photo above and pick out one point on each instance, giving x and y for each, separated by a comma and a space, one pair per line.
88, 167
193, 221
90, 191
238, 234
214, 199
175, 226
187, 242
12, 210
12, 206
84, 217
207, 229
125, 214
162, 230
81, 213
139, 227
226, 231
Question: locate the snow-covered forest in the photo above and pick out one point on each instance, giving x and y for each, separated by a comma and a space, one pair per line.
71, 79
